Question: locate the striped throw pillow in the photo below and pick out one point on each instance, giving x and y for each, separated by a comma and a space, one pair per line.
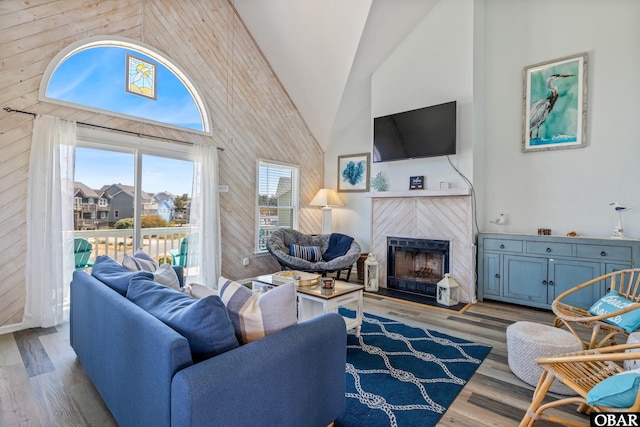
256, 315
309, 253
140, 261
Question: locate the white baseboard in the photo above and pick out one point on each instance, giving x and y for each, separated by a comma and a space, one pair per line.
7, 329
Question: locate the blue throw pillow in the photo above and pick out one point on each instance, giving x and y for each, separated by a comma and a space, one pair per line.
113, 274
613, 302
618, 391
339, 244
203, 322
309, 253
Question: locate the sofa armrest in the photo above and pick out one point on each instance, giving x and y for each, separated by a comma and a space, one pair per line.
291, 378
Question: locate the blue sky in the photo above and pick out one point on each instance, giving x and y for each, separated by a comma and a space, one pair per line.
97, 77
96, 168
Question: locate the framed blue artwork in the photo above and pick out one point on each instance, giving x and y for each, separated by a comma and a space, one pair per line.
554, 110
353, 172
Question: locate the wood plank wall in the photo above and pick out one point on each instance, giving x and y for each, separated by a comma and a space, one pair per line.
252, 115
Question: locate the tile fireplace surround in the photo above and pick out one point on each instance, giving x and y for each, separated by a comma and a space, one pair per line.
427, 214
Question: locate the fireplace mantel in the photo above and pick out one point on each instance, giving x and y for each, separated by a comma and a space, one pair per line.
419, 193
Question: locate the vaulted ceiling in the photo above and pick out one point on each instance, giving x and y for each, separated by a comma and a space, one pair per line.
325, 51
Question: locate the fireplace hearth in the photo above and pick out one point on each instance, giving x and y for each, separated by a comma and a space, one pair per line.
416, 265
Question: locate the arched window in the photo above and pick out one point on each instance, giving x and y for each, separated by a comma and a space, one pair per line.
127, 79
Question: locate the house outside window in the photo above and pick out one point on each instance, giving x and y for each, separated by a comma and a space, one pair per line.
277, 198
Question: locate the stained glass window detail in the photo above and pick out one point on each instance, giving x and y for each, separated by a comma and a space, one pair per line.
141, 77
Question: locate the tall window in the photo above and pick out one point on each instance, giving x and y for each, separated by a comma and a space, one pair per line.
146, 192
277, 199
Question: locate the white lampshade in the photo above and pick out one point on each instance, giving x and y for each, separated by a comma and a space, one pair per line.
326, 197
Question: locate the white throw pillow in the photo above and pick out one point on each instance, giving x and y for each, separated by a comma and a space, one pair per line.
167, 276
199, 291
164, 274
256, 315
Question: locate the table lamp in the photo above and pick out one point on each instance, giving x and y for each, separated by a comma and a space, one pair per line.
326, 198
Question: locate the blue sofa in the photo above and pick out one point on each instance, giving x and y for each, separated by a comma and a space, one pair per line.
144, 370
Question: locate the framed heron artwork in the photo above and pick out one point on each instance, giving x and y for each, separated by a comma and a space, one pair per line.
554, 107
353, 172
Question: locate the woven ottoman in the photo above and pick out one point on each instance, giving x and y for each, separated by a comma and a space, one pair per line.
527, 341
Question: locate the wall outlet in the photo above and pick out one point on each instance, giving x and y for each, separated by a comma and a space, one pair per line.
245, 261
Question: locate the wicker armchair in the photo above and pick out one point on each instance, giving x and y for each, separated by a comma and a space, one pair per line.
625, 282
580, 371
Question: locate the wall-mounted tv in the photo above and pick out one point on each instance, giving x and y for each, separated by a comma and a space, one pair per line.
424, 132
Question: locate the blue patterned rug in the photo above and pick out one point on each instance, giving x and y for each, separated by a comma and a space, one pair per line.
399, 375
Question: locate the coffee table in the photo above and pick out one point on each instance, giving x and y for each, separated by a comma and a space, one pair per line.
315, 300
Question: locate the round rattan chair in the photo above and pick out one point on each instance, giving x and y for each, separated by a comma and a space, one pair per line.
580, 371
625, 282
278, 246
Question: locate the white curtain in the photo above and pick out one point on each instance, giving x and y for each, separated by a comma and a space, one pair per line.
50, 261
204, 256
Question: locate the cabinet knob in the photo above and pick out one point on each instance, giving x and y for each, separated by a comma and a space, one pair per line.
548, 249
550, 282
603, 253
501, 246
497, 276
544, 283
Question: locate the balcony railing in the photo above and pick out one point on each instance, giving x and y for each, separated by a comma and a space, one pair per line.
156, 242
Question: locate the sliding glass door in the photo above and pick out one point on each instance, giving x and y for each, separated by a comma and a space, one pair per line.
132, 197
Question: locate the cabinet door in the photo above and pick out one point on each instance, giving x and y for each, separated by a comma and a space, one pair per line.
566, 274
525, 280
610, 268
491, 275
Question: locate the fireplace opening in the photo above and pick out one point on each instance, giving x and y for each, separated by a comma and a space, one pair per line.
416, 265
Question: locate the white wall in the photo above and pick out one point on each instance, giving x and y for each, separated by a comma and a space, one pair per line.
474, 51
565, 190
434, 64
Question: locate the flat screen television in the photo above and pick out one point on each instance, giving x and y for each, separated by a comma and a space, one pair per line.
424, 132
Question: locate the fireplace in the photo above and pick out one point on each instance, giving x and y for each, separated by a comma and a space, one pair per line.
426, 214
416, 265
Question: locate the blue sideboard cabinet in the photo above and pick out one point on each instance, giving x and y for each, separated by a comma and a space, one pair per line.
532, 270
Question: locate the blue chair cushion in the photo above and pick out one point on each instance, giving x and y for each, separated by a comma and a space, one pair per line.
113, 274
203, 322
618, 391
613, 302
339, 245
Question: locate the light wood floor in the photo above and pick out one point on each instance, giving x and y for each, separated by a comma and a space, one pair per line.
43, 384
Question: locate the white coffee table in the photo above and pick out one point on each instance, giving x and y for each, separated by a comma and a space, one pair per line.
314, 300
